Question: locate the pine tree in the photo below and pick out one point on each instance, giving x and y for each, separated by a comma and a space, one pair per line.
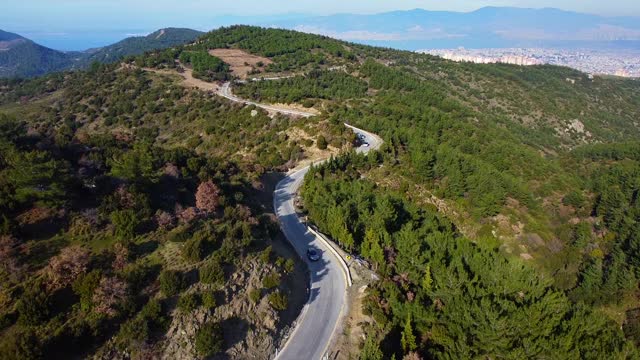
590, 288
371, 350
371, 248
322, 142
338, 229
408, 340
427, 281
618, 277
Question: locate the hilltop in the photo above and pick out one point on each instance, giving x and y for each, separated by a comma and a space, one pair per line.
21, 57
501, 194
160, 39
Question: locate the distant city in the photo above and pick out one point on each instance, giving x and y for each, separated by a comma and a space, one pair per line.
625, 63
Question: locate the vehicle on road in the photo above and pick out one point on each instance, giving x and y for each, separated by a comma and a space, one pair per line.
313, 254
365, 144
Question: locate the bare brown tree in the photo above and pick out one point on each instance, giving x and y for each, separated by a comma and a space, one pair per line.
187, 215
412, 356
171, 170
125, 198
109, 295
207, 196
121, 257
165, 220
65, 268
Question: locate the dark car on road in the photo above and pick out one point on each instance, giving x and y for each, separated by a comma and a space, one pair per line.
313, 254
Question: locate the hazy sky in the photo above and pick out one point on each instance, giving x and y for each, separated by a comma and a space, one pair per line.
86, 12
49, 20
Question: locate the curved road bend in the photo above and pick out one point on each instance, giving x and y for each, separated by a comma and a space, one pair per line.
225, 91
320, 317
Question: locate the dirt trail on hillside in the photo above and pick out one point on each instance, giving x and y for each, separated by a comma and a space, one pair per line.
191, 82
187, 79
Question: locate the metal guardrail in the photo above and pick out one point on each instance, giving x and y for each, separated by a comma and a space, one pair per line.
329, 244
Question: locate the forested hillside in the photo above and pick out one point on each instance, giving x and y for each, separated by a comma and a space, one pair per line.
442, 295
20, 57
133, 219
501, 214
490, 146
23, 58
161, 39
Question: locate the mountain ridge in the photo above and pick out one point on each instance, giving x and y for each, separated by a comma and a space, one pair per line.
22, 57
485, 27
135, 45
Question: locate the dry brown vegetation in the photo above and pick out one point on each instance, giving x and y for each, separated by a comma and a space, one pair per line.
241, 62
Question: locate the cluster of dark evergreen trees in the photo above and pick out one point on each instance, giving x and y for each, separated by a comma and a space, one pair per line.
205, 66
290, 50
443, 295
316, 84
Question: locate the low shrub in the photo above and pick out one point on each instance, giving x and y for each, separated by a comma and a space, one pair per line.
278, 301
189, 302
271, 281
209, 340
171, 282
255, 295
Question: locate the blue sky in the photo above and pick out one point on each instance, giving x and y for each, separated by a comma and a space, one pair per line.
77, 24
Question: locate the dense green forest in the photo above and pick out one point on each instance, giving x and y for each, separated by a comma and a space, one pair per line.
613, 173
502, 212
316, 84
290, 50
132, 46
205, 66
442, 295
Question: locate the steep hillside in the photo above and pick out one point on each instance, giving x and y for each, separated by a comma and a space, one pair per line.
488, 147
7, 36
501, 215
20, 57
141, 223
161, 39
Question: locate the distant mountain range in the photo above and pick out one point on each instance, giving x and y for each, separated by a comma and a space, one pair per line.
483, 28
489, 27
21, 57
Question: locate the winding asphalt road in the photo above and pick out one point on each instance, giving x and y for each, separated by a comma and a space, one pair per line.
321, 315
225, 91
325, 307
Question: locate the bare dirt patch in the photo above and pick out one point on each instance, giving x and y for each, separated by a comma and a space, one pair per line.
188, 80
241, 62
296, 107
312, 153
